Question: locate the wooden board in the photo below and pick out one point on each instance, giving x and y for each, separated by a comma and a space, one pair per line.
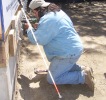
4, 53
12, 42
3, 36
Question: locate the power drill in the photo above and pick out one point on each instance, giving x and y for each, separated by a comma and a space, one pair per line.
32, 20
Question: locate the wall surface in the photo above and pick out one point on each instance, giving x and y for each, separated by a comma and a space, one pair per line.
4, 94
9, 71
7, 11
7, 78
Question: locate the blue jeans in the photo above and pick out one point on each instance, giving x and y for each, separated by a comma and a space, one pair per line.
66, 71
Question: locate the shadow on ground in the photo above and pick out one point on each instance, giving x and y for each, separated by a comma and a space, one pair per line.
45, 91
105, 75
89, 17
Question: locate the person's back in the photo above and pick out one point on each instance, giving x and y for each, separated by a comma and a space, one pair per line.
61, 38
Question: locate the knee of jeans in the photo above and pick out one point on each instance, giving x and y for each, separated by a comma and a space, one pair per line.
49, 79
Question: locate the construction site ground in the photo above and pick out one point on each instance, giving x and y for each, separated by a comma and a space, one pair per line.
90, 22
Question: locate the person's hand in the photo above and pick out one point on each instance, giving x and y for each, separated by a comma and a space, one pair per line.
35, 25
26, 26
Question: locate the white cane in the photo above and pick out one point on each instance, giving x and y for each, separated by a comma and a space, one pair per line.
30, 27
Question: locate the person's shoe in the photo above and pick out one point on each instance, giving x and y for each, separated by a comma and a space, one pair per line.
36, 71
83, 67
88, 68
89, 79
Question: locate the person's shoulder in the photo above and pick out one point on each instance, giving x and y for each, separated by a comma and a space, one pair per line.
50, 16
53, 16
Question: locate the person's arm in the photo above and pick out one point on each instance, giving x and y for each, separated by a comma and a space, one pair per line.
44, 33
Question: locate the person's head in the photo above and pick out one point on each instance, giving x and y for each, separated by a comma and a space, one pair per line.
40, 7
38, 3
37, 7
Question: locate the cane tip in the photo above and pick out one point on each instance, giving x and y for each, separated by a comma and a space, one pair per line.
60, 96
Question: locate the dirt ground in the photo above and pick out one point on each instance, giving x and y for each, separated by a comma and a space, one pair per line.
90, 23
